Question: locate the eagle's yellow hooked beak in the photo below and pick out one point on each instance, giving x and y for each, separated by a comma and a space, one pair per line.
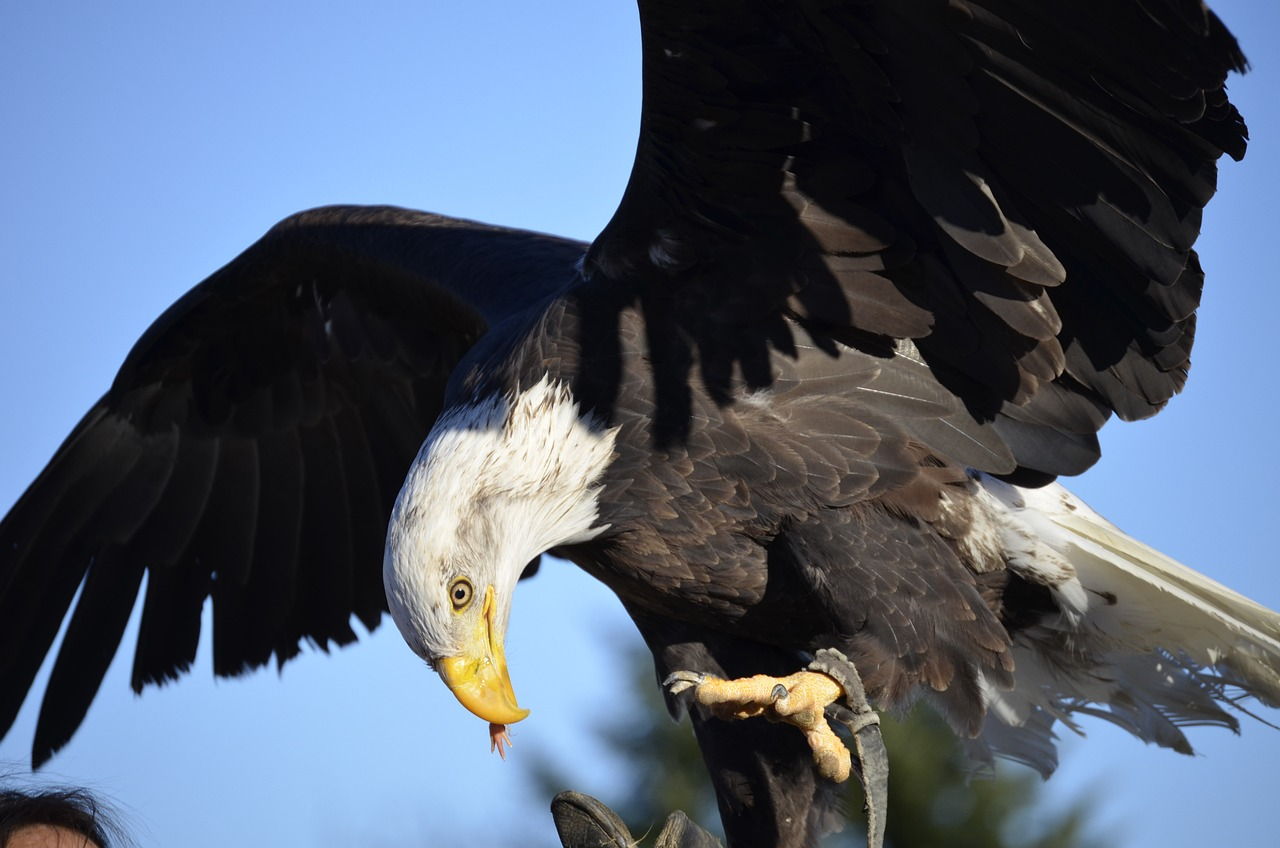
478, 676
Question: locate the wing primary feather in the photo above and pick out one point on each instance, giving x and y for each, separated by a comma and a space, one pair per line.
107, 599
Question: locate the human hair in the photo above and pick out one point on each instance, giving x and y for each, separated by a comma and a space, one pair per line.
75, 810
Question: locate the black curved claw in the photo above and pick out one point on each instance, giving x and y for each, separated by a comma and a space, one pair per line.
679, 681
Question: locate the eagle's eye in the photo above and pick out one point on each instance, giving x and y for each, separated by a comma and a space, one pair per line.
460, 594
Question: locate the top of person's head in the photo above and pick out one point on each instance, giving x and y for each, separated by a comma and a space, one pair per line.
56, 818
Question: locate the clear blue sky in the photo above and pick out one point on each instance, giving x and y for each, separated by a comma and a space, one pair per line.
145, 144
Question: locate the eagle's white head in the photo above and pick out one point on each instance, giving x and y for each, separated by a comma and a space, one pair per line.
496, 483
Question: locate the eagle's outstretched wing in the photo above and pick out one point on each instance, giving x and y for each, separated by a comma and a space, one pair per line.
250, 451
1008, 192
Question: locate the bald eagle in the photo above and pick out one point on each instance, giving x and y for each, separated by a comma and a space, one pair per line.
881, 273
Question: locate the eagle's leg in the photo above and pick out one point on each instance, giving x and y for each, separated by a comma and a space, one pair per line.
804, 699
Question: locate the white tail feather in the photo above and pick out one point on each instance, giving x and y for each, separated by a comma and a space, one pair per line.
1142, 640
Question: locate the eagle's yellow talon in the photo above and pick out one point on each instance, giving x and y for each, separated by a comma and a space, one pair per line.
798, 700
